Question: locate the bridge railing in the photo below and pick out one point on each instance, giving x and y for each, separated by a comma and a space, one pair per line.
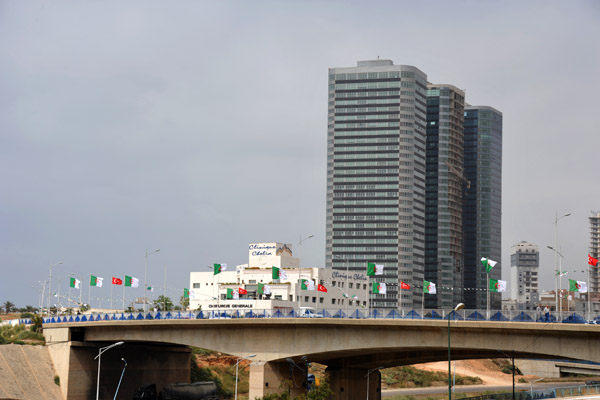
289, 312
571, 391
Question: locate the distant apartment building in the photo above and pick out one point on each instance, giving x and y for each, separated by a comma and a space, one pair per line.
524, 277
594, 251
376, 176
482, 210
444, 194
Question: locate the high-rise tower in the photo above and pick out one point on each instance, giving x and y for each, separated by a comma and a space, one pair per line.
524, 278
594, 251
444, 194
376, 176
482, 215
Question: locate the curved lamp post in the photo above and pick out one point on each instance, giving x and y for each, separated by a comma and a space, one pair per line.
556, 219
299, 264
145, 278
459, 306
236, 371
99, 357
367, 376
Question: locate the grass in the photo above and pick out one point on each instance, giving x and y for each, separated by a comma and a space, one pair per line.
19, 334
409, 377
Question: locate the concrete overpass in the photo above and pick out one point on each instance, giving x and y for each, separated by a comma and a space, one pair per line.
348, 347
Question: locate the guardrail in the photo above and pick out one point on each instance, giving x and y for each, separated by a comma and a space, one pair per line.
466, 315
571, 391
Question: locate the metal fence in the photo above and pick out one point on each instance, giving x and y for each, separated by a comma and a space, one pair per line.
466, 315
571, 391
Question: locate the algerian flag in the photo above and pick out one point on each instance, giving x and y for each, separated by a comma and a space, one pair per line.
278, 273
374, 269
308, 284
131, 281
379, 288
429, 287
497, 285
192, 294
233, 294
488, 264
577, 286
95, 281
150, 288
186, 293
561, 273
264, 289
74, 283
218, 268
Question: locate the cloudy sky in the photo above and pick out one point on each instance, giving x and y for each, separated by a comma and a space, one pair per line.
199, 127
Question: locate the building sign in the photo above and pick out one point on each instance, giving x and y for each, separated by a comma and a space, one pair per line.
342, 275
262, 249
230, 305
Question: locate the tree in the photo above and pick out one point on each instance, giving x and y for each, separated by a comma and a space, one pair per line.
164, 303
8, 306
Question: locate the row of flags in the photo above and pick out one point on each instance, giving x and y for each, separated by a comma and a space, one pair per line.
97, 281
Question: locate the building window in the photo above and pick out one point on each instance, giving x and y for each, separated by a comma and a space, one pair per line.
333, 301
278, 297
196, 286
314, 299
306, 299
350, 285
321, 300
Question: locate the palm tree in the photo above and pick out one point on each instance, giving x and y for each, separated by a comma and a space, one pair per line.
8, 306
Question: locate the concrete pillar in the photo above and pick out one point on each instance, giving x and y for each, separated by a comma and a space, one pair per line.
274, 377
351, 383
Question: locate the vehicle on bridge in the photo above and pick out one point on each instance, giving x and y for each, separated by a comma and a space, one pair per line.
309, 312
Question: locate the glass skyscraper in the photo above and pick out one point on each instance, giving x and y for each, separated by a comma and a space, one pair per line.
482, 215
376, 176
444, 195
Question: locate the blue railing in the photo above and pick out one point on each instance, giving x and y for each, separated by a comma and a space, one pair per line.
466, 315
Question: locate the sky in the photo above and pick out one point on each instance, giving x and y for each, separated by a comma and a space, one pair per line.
198, 127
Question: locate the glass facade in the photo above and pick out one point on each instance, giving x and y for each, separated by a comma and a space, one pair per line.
376, 176
483, 202
444, 195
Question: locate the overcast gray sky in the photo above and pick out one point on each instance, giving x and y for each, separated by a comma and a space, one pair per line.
199, 127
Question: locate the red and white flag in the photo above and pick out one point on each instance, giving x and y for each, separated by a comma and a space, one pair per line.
116, 281
242, 291
321, 288
592, 261
404, 285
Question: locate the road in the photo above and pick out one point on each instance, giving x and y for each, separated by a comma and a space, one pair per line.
476, 388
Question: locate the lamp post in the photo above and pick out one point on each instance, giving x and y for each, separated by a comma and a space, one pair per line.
43, 284
145, 278
299, 264
347, 288
558, 277
459, 306
556, 219
367, 376
236, 371
50, 283
121, 378
99, 357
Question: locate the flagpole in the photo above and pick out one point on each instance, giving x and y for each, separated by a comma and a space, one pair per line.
89, 292
124, 298
488, 295
111, 296
588, 293
164, 289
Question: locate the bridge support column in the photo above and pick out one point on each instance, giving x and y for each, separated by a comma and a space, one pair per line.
351, 383
274, 377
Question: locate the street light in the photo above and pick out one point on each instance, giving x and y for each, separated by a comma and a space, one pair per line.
50, 284
236, 371
347, 288
459, 306
299, 264
367, 376
556, 219
42, 296
145, 276
120, 379
99, 357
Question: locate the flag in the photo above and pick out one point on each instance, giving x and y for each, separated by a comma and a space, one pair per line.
267, 289
278, 273
150, 288
592, 261
74, 283
186, 293
242, 291
497, 285
321, 288
577, 286
261, 288
308, 284
95, 281
233, 294
218, 268
561, 273
192, 294
116, 281
131, 281
355, 297
379, 288
429, 287
374, 269
404, 285
488, 264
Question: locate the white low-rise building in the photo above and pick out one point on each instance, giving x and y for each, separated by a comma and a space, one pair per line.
252, 287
